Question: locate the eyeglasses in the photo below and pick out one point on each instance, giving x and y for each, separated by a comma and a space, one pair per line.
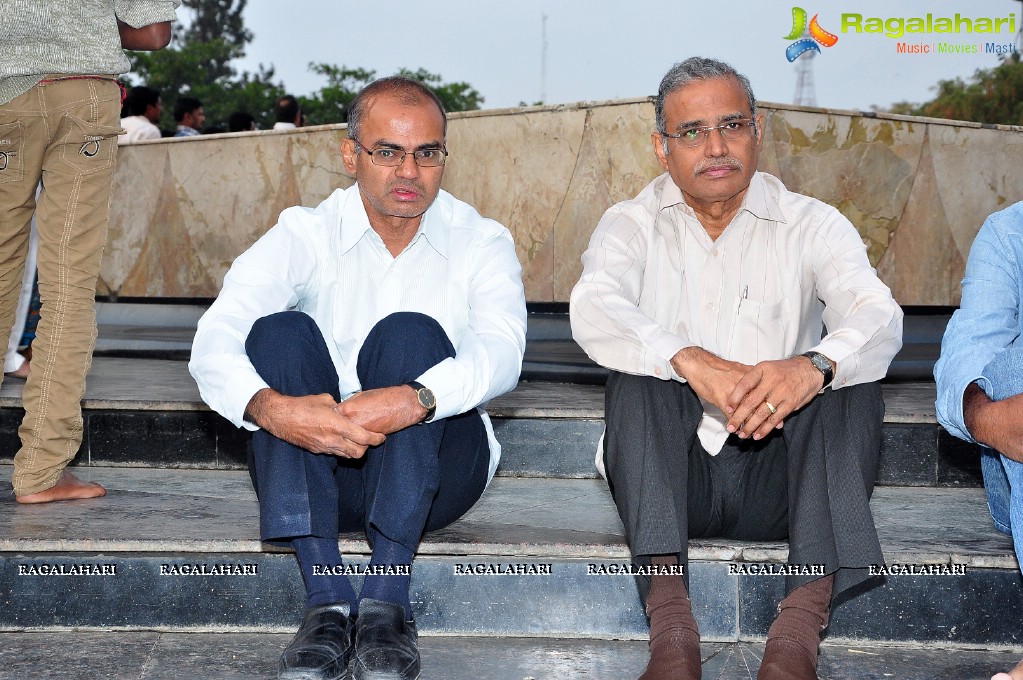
732, 131
391, 158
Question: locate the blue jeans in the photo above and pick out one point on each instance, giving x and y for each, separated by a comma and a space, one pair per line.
1003, 477
422, 478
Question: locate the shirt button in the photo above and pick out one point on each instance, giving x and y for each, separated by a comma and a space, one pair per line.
709, 306
657, 371
714, 253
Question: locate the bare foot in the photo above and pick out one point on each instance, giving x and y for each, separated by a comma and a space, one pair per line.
1015, 674
67, 488
22, 372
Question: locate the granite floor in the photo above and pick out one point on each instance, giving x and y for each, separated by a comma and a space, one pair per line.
164, 385
215, 510
237, 656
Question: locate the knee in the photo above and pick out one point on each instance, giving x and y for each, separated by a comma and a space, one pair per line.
407, 332
275, 331
407, 327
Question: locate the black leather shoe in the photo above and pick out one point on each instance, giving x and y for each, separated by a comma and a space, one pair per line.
386, 645
322, 646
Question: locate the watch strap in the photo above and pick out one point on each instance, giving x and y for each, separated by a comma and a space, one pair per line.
822, 364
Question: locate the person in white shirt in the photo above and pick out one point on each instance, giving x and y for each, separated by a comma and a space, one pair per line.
288, 114
144, 107
360, 340
706, 296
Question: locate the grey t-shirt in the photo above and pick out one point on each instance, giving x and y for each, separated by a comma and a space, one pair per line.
57, 36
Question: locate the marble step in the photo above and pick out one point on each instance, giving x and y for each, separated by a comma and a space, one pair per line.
151, 655
178, 550
163, 329
147, 412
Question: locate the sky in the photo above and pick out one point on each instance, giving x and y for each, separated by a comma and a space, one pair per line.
611, 49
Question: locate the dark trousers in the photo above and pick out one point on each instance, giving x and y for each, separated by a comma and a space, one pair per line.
422, 478
828, 451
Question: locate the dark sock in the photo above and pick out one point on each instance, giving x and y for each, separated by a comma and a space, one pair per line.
389, 587
313, 551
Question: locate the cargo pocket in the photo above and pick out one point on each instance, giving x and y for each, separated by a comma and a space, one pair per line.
87, 147
12, 146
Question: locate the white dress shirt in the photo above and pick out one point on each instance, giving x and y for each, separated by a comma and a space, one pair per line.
787, 265
460, 269
138, 129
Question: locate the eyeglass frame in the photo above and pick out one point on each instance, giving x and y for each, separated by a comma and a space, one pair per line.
404, 152
707, 129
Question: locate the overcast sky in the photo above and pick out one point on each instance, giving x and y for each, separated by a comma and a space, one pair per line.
610, 49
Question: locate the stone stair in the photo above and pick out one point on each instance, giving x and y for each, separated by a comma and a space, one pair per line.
179, 501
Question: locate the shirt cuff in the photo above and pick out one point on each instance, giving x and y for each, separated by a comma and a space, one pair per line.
243, 387
664, 347
842, 358
444, 380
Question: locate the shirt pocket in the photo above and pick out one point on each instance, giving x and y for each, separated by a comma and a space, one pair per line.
12, 148
87, 147
761, 331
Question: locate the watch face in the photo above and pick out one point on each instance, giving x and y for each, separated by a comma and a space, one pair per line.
426, 398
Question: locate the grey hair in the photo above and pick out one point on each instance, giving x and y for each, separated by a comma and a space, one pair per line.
410, 91
697, 68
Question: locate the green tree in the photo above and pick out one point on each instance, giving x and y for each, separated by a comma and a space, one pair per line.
198, 63
330, 103
993, 95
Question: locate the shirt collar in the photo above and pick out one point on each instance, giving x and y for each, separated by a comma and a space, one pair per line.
355, 224
758, 201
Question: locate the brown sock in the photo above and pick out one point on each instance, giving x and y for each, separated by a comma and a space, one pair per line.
795, 635
674, 636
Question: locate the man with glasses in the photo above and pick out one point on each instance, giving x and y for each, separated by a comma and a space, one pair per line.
706, 296
405, 313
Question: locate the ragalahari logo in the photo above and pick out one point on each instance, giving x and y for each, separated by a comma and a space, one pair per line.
818, 36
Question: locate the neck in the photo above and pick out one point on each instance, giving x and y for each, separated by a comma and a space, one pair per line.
715, 216
396, 232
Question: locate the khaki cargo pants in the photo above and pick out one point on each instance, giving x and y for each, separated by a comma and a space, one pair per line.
64, 133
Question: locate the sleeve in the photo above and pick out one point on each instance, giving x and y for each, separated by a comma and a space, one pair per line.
269, 277
985, 324
864, 322
139, 13
607, 321
488, 357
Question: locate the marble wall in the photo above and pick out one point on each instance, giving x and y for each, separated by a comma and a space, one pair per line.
917, 189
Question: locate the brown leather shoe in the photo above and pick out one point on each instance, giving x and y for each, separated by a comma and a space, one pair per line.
674, 635
795, 635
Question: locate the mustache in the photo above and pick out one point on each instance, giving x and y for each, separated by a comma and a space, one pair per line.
407, 185
715, 163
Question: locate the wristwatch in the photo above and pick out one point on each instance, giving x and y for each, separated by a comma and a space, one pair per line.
425, 397
822, 364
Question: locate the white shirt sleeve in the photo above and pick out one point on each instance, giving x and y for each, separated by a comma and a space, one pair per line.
267, 278
606, 317
864, 322
488, 357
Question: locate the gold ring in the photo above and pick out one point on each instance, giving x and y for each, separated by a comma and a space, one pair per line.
770, 407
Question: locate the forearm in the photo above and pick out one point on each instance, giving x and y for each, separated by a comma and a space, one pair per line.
152, 37
980, 415
260, 406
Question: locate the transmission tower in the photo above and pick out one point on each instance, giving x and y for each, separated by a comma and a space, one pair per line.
806, 93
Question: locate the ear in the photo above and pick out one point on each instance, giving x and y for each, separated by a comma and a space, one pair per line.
348, 154
760, 131
658, 140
